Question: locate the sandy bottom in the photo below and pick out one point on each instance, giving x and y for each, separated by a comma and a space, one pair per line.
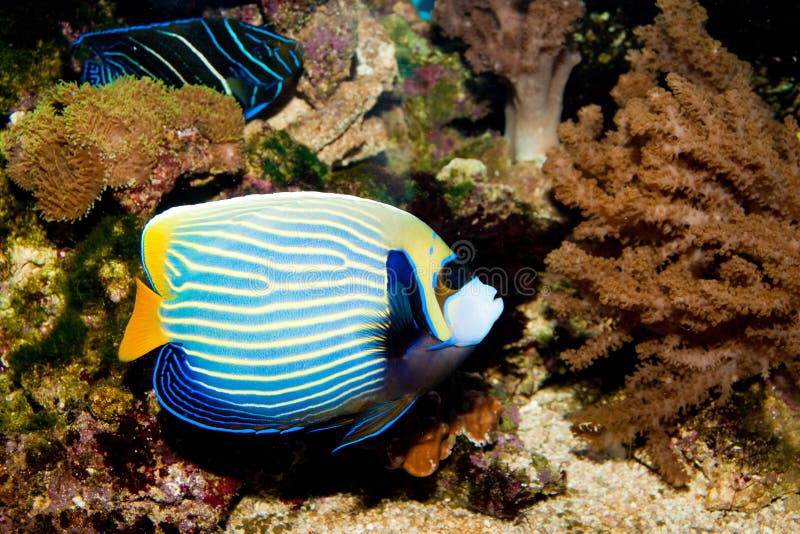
608, 496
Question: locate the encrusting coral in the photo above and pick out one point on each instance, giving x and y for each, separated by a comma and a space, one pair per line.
435, 444
134, 134
689, 248
527, 45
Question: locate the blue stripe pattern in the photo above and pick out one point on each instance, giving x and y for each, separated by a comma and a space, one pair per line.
247, 62
277, 311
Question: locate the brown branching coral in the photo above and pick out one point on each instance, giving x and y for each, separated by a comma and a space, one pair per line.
524, 42
136, 135
690, 245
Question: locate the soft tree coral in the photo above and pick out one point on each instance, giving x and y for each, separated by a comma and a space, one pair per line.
134, 134
677, 42
524, 42
690, 246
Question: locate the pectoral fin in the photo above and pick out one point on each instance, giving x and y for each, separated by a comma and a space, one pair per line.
376, 420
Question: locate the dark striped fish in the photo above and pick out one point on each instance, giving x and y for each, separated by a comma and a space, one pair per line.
280, 312
248, 62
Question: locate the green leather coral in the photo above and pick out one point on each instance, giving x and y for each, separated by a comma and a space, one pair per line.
132, 133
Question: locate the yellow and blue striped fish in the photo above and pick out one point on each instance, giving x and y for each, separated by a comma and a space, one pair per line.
280, 312
248, 62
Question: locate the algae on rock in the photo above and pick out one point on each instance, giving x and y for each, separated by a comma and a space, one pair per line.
432, 91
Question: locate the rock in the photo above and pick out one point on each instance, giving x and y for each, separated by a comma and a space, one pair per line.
334, 126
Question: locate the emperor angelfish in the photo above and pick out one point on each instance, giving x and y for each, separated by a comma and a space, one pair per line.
248, 62
287, 311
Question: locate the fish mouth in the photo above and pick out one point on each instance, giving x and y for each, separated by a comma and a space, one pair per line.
471, 312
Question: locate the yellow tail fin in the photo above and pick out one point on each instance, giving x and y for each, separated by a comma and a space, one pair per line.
143, 333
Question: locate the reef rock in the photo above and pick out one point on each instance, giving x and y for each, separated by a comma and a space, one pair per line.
330, 116
94, 476
422, 458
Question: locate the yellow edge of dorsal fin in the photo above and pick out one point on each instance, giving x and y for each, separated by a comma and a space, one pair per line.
144, 332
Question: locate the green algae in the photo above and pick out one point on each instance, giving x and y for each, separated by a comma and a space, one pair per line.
113, 239
31, 311
20, 412
41, 420
285, 162
109, 403
84, 293
748, 448
274, 523
59, 347
30, 273
29, 297
89, 283
16, 412
459, 178
24, 72
371, 181
44, 453
414, 50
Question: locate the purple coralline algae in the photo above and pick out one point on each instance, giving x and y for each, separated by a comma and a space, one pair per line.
329, 44
96, 476
432, 92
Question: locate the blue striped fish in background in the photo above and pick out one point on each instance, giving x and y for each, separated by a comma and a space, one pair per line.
248, 62
424, 8
281, 312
